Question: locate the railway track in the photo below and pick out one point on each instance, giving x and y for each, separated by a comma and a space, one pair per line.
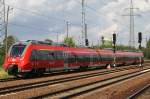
20, 87
20, 80
12, 78
134, 95
9, 79
75, 91
56, 73
14, 90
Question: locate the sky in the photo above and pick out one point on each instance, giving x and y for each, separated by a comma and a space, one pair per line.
45, 19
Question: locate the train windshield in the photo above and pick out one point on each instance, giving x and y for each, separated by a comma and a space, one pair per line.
17, 50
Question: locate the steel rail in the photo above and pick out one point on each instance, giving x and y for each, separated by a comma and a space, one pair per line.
7, 90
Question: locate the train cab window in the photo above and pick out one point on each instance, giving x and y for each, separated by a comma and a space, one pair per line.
17, 50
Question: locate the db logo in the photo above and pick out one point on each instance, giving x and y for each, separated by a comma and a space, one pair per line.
13, 59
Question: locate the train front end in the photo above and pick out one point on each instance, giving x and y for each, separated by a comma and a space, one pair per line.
14, 60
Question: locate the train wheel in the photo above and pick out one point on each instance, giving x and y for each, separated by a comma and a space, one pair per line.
83, 68
26, 75
39, 72
13, 70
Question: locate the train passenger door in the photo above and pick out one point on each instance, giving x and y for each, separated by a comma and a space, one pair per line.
59, 59
65, 60
33, 59
91, 59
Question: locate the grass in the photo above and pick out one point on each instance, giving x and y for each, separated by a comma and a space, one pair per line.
3, 74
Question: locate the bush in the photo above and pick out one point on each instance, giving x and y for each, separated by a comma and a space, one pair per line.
2, 54
3, 74
147, 53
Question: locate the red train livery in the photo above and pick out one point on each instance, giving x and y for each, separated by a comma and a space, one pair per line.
39, 57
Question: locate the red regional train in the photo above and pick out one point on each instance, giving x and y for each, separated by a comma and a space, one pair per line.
39, 57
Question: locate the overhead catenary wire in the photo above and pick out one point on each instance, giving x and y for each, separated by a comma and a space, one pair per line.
38, 13
44, 31
49, 18
31, 27
2, 19
35, 13
35, 27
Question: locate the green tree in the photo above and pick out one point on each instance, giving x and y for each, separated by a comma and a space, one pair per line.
109, 44
147, 50
123, 47
148, 44
10, 40
106, 44
69, 41
2, 53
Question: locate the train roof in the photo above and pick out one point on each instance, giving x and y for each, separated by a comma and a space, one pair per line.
81, 50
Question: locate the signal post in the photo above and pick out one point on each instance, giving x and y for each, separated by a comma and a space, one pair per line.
114, 48
140, 41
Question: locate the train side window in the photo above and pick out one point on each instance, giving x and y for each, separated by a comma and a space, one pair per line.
103, 58
50, 55
65, 56
44, 55
33, 55
95, 58
58, 55
38, 55
41, 55
82, 58
79, 58
106, 58
99, 58
71, 58
88, 58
